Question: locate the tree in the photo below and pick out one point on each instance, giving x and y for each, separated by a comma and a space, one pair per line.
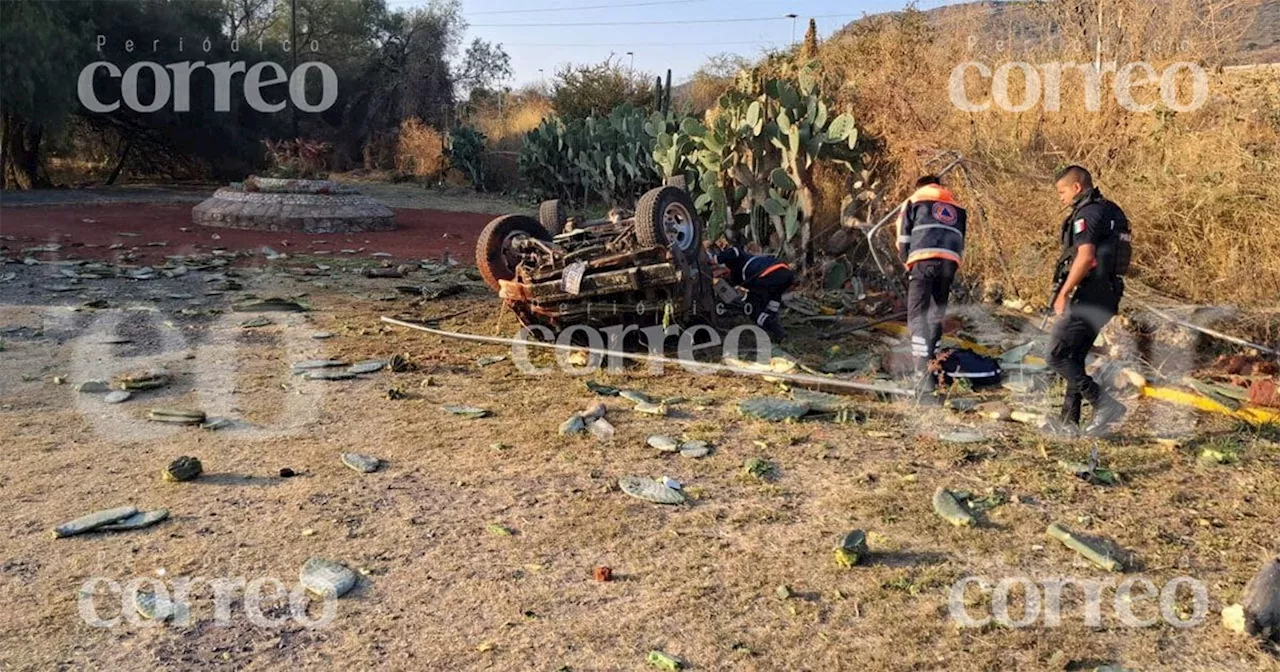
409, 76
390, 66
201, 141
250, 19
38, 92
582, 90
484, 66
712, 79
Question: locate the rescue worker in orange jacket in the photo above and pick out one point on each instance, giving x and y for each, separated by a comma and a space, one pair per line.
931, 233
764, 277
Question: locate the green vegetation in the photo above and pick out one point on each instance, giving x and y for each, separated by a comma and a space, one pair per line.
754, 163
466, 153
391, 66
597, 158
750, 167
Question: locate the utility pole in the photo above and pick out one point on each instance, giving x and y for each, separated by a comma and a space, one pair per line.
632, 65
293, 44
793, 27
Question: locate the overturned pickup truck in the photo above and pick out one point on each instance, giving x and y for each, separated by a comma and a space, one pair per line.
641, 268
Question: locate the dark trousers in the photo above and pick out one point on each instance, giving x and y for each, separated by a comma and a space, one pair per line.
765, 294
1069, 343
928, 290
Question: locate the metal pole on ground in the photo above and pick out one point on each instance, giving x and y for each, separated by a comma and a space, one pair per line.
801, 380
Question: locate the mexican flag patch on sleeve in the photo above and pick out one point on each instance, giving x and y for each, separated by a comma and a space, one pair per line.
1079, 226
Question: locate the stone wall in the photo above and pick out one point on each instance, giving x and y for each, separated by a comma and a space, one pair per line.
311, 213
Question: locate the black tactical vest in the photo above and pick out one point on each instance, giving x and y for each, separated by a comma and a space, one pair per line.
1114, 249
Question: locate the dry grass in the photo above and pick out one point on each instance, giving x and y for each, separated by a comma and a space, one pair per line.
1198, 186
415, 196
697, 581
504, 126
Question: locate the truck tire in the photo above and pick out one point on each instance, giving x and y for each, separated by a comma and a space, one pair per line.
552, 216
492, 254
677, 181
666, 217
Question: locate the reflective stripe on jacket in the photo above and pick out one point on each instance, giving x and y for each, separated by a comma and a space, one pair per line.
931, 225
759, 266
745, 268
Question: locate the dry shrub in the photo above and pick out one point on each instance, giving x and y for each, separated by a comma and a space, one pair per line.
1199, 186
419, 149
300, 158
709, 81
455, 178
505, 125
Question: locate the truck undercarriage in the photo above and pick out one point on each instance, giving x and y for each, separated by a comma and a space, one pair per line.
644, 267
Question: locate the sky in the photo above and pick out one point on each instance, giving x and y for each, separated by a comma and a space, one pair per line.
535, 34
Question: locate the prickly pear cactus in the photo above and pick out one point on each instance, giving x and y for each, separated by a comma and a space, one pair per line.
600, 158
753, 158
748, 164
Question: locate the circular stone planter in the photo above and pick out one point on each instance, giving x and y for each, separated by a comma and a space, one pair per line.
311, 206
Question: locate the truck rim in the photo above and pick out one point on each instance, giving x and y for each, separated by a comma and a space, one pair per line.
677, 223
509, 256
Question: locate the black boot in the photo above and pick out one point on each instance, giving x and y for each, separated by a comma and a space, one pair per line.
770, 323
1071, 406
1107, 410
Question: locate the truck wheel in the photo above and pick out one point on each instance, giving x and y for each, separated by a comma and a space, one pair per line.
495, 258
665, 217
552, 217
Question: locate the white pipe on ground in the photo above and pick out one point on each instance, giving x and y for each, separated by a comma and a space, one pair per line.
800, 380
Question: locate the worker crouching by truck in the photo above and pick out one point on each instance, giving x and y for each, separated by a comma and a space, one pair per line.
931, 236
765, 280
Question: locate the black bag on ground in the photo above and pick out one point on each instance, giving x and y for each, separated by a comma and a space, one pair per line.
961, 364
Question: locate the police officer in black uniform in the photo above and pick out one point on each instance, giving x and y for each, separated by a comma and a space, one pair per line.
931, 234
1088, 286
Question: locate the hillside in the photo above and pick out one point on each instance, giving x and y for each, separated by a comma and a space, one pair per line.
1024, 21
1262, 43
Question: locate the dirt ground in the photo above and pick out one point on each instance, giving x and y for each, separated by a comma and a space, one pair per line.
90, 231
440, 590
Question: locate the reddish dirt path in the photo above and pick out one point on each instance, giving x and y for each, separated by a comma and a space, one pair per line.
88, 231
